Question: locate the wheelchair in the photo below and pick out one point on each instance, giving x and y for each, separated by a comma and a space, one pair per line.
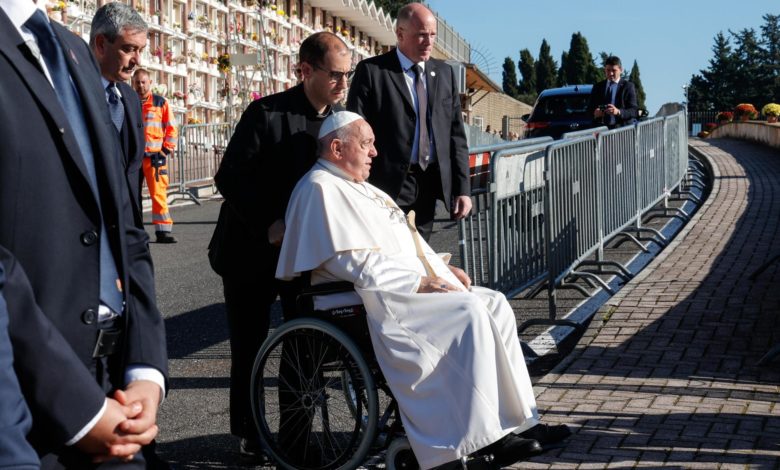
319, 399
317, 391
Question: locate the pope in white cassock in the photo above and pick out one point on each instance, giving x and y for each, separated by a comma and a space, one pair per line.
449, 352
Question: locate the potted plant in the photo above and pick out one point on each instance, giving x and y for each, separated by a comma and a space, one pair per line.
771, 111
745, 111
724, 116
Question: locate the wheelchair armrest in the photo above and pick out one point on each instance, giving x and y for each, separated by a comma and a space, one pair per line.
327, 288
305, 300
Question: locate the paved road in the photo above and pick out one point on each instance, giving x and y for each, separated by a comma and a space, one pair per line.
666, 376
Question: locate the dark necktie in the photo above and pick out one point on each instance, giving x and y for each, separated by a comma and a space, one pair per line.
69, 99
611, 100
424, 144
115, 106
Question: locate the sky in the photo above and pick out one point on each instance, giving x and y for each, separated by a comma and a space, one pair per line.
670, 40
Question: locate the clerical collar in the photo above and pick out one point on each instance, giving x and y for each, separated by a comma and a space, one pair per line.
310, 111
333, 168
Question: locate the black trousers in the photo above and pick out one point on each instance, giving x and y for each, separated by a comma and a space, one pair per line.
248, 304
419, 192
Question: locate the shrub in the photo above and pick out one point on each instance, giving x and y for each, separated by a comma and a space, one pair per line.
745, 110
727, 116
771, 109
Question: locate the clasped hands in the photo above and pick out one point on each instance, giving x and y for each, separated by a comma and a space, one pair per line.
128, 422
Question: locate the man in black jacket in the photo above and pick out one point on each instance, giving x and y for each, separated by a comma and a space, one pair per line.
66, 215
275, 143
613, 101
411, 101
112, 26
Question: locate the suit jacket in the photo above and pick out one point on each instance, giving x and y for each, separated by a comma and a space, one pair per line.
271, 149
15, 419
133, 142
49, 219
379, 93
625, 100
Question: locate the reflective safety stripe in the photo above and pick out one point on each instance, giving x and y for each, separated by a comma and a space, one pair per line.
153, 124
166, 217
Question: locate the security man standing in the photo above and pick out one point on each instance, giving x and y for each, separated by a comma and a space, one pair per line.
161, 134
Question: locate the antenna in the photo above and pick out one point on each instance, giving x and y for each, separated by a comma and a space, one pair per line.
483, 59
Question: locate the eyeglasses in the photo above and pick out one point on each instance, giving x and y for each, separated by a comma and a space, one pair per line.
335, 75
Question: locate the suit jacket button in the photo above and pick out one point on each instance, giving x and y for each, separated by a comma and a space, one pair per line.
89, 316
89, 238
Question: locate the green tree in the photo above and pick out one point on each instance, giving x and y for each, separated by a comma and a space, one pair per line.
545, 68
526, 66
752, 74
715, 90
509, 78
770, 42
561, 77
634, 78
580, 67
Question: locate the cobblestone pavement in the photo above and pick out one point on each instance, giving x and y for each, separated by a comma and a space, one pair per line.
666, 374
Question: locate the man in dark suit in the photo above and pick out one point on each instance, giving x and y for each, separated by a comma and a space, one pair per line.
66, 215
613, 101
116, 68
416, 117
15, 419
275, 143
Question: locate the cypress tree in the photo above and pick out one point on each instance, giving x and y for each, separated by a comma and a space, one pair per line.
561, 78
526, 65
579, 63
509, 78
545, 68
637, 81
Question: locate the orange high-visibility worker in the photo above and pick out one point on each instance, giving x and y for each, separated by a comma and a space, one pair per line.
161, 134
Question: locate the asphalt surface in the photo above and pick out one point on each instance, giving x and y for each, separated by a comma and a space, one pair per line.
194, 418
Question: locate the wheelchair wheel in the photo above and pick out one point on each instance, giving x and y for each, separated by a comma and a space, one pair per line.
400, 456
313, 397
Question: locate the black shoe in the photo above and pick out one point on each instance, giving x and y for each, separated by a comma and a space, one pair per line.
547, 434
165, 237
510, 449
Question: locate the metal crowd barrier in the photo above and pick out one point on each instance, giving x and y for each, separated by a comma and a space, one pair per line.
548, 208
199, 150
476, 231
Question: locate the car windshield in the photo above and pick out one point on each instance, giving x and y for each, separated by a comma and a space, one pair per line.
562, 107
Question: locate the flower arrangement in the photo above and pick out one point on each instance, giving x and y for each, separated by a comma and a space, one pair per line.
179, 95
771, 109
204, 56
193, 120
710, 126
203, 21
745, 111
254, 36
59, 6
255, 95
725, 116
223, 63
158, 52
169, 57
139, 8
